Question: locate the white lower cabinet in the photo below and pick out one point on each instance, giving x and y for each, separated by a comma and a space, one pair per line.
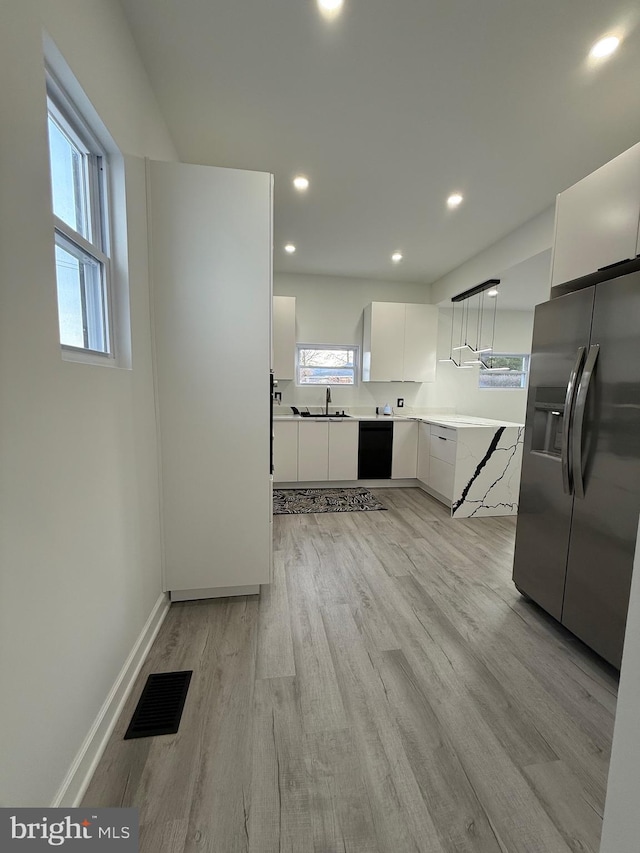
285, 451
405, 450
343, 450
441, 477
442, 460
313, 450
424, 451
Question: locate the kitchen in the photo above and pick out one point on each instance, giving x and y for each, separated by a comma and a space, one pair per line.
123, 574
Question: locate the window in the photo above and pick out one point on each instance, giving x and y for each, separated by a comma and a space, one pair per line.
78, 187
506, 370
320, 364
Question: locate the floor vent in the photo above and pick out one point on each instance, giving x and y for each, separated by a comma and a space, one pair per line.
160, 707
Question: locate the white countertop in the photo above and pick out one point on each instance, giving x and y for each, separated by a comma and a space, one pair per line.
340, 418
452, 421
465, 421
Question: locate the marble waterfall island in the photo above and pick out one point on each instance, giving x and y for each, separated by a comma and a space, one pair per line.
487, 471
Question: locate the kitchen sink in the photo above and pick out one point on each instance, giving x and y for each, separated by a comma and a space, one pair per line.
330, 415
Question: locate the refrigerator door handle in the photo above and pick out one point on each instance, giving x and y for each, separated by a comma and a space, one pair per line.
566, 421
578, 426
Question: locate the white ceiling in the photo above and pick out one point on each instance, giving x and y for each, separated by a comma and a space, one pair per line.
390, 108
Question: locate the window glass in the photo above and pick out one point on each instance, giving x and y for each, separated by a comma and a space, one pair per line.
81, 308
326, 365
68, 180
78, 190
505, 370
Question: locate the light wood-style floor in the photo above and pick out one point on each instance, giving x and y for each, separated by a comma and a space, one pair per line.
390, 692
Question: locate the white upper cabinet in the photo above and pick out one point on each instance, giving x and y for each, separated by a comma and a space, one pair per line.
284, 337
597, 219
399, 342
420, 339
383, 342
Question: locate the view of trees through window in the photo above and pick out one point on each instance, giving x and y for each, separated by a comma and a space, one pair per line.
326, 365
513, 374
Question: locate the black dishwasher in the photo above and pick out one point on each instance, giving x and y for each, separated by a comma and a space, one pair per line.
374, 450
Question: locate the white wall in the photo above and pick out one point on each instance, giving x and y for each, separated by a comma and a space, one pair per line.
79, 509
621, 825
329, 311
514, 330
530, 239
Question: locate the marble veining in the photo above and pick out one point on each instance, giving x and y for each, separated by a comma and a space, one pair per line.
487, 474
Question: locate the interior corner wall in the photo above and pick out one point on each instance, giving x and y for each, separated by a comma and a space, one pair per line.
530, 239
329, 310
79, 506
513, 334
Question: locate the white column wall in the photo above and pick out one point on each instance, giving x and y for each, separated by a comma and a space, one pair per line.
79, 508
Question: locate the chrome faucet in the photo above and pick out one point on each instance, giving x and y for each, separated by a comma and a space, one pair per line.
327, 401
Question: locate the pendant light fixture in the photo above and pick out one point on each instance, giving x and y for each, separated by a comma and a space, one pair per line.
451, 359
488, 367
479, 349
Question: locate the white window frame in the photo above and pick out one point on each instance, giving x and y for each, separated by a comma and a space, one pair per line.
71, 122
526, 359
356, 365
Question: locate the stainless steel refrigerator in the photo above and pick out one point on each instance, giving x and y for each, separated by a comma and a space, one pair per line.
580, 487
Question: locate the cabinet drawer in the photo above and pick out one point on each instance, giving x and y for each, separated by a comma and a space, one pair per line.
443, 448
441, 477
444, 432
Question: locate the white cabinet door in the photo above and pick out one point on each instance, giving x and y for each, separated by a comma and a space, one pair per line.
313, 450
441, 476
383, 349
424, 450
420, 342
404, 460
215, 468
285, 451
343, 450
284, 337
597, 219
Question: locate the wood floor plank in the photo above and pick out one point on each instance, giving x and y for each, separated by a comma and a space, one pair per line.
340, 809
457, 814
527, 694
389, 692
564, 800
281, 791
275, 646
401, 821
220, 797
320, 699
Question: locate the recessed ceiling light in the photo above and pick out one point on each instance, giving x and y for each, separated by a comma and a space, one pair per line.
331, 6
493, 292
290, 248
301, 183
396, 257
604, 47
454, 200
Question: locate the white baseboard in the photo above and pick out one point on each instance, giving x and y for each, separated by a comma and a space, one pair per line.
434, 494
214, 592
77, 780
